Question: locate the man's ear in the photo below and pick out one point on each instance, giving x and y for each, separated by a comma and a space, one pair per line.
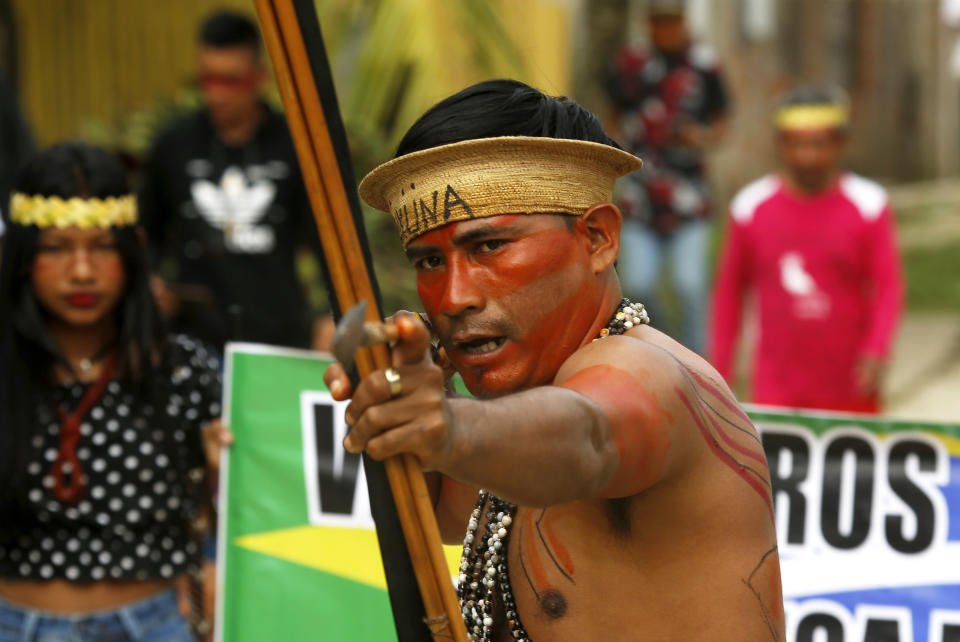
602, 226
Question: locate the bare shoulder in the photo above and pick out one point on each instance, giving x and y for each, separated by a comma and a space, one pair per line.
714, 419
698, 386
654, 381
648, 389
691, 366
651, 357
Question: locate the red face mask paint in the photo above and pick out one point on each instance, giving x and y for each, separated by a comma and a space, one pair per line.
511, 297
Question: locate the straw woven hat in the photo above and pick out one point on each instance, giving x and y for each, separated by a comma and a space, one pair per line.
492, 176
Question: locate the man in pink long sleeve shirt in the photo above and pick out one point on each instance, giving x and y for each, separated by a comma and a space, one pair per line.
817, 247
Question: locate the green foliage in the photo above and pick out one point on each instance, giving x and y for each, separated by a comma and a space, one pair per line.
392, 60
929, 234
931, 276
132, 133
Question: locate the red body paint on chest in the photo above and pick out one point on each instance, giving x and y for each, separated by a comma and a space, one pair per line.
531, 559
637, 421
554, 543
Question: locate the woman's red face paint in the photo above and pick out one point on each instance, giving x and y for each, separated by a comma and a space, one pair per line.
511, 297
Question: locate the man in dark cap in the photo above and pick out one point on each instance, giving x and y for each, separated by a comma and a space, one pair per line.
671, 106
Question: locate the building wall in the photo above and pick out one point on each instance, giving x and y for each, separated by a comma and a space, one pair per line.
84, 62
100, 59
892, 56
81, 61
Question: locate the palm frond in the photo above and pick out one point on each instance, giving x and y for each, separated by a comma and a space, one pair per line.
393, 59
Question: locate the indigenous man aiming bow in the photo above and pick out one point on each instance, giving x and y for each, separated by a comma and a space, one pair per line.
626, 495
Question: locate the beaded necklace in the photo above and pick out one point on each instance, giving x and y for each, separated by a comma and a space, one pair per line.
483, 566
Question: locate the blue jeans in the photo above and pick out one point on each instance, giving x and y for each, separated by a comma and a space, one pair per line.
642, 254
155, 619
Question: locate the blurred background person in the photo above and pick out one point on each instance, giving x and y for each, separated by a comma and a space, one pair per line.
101, 454
817, 246
224, 204
671, 106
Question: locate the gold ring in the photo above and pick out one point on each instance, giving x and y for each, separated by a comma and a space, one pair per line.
393, 378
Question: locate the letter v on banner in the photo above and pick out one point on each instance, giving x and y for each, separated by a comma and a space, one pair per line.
335, 486
399, 498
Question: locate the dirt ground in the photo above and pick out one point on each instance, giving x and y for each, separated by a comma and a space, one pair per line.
923, 381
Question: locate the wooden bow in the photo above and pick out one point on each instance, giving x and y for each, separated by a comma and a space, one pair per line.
292, 35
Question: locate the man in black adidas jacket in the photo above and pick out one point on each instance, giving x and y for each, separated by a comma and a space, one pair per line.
224, 204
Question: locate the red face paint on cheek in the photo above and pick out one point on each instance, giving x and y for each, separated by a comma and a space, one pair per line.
536, 288
564, 330
431, 287
560, 310
638, 424
530, 260
431, 284
522, 262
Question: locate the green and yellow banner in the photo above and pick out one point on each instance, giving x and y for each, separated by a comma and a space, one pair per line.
298, 556
867, 512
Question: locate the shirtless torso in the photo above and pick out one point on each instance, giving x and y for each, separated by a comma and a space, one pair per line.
692, 556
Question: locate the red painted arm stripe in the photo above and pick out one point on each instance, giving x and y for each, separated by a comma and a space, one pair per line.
637, 422
724, 456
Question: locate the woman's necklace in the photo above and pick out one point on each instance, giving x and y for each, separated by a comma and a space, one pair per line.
67, 461
484, 575
85, 365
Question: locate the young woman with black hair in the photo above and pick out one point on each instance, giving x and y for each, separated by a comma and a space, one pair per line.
101, 416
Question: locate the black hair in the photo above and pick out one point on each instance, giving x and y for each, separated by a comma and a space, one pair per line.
28, 351
226, 28
502, 108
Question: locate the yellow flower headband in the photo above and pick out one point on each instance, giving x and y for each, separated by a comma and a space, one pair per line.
798, 117
54, 211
